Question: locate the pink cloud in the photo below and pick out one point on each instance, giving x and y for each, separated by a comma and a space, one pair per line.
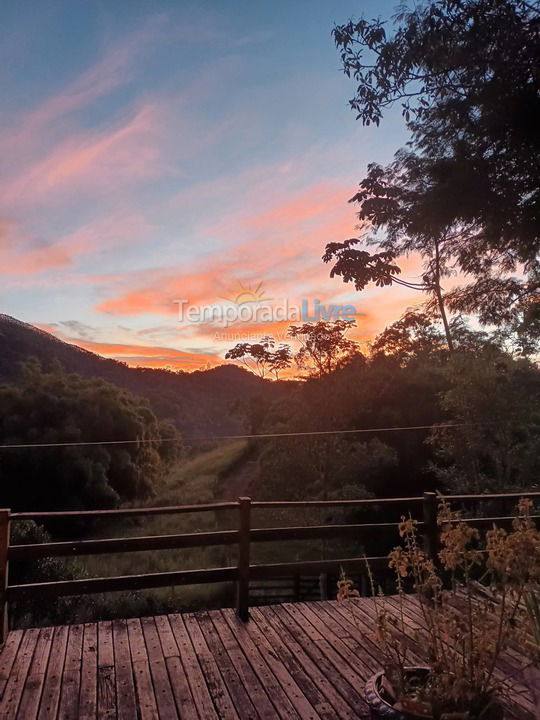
109, 72
281, 246
92, 160
20, 256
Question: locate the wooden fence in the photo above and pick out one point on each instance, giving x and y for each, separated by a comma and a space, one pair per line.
423, 508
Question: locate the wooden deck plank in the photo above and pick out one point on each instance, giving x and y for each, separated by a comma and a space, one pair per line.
297, 666
349, 683
50, 697
89, 670
359, 642
358, 631
158, 670
274, 690
29, 705
144, 688
106, 680
365, 614
15, 685
303, 661
126, 708
199, 690
71, 676
7, 658
255, 638
214, 680
105, 644
247, 675
333, 632
337, 692
166, 636
180, 685
240, 695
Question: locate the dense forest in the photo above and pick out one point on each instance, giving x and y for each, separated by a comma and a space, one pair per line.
475, 410
409, 416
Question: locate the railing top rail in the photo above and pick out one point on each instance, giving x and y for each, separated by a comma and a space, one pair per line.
261, 504
492, 520
332, 503
125, 512
494, 496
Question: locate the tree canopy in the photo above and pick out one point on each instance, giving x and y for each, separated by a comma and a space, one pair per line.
465, 192
324, 346
262, 358
56, 407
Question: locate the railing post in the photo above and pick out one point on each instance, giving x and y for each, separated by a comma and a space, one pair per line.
242, 584
431, 530
4, 545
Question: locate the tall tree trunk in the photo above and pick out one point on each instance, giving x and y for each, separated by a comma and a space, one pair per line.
440, 301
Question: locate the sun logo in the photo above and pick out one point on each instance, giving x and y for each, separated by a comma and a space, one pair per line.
245, 294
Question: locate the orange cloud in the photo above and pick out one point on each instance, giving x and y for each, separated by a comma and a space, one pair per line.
282, 247
284, 243
149, 356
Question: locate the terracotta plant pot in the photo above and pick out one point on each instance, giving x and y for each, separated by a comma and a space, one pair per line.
381, 707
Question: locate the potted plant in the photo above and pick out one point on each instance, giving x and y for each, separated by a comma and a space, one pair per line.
532, 672
463, 632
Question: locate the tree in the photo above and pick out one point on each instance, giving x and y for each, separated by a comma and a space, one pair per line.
496, 399
414, 335
465, 193
324, 347
384, 204
57, 408
261, 358
324, 467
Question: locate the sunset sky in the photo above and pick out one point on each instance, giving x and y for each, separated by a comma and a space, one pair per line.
155, 151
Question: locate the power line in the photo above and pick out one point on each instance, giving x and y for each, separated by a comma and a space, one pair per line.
306, 433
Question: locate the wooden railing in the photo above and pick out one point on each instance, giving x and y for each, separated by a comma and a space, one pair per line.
423, 508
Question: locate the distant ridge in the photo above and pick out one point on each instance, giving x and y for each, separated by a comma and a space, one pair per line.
199, 402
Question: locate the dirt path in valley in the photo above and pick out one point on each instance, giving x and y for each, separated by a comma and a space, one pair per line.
242, 480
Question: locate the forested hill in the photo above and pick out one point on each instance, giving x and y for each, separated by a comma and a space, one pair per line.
199, 403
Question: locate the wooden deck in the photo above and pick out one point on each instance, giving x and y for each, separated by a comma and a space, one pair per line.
290, 661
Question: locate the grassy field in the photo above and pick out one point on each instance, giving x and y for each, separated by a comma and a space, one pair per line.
192, 482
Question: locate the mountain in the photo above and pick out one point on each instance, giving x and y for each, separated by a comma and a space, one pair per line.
197, 402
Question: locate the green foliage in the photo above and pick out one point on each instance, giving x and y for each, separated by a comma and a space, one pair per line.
465, 192
201, 478
414, 335
498, 398
196, 402
34, 611
325, 467
410, 379
57, 407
